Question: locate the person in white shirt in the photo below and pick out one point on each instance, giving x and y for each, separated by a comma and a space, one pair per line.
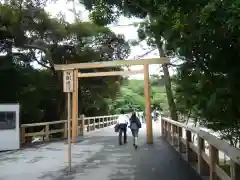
122, 125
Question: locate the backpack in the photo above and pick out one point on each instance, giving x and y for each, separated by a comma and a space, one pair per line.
116, 128
139, 124
136, 124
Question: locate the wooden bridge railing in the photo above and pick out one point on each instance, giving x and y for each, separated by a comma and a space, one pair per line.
49, 129
205, 160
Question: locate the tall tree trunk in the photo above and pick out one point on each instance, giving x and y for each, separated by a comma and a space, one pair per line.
167, 82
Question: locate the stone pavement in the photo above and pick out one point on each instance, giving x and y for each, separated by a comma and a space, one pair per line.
98, 157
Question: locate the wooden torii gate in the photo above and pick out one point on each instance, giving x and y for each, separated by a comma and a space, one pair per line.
75, 67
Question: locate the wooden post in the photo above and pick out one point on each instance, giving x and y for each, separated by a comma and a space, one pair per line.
94, 125
75, 107
162, 128
203, 168
234, 170
88, 125
165, 130
180, 145
47, 132
99, 123
214, 160
191, 155
188, 139
148, 105
82, 125
23, 135
173, 134
65, 129
69, 132
76, 99
169, 131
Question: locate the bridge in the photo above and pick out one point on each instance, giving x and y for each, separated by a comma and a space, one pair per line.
174, 155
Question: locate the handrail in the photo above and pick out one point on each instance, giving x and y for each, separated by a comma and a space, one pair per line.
90, 124
208, 164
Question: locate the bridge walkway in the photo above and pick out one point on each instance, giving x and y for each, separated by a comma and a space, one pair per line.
99, 157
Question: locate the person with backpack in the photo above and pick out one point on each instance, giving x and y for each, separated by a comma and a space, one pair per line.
121, 127
135, 125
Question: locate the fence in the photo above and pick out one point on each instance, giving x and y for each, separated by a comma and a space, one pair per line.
61, 127
205, 160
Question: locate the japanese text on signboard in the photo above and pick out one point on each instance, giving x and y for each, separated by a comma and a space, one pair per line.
68, 81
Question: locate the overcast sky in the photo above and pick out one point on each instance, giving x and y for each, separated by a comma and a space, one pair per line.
130, 32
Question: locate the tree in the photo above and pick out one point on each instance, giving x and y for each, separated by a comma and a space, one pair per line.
131, 96
205, 36
28, 35
211, 67
148, 30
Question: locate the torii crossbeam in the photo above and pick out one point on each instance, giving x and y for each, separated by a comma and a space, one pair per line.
115, 63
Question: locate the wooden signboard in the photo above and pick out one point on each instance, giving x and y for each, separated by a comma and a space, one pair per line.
68, 81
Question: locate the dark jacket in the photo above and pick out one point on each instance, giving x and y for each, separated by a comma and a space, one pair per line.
135, 123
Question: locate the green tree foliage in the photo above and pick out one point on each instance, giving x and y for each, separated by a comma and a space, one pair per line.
149, 30
131, 96
29, 36
205, 35
209, 74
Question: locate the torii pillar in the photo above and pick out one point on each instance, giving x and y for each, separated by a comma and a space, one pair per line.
75, 107
147, 105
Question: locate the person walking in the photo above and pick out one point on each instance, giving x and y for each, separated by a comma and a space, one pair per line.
143, 117
135, 125
122, 123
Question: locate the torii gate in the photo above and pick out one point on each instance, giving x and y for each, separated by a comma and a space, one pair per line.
75, 67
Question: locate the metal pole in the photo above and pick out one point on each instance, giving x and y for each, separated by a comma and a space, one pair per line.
69, 132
